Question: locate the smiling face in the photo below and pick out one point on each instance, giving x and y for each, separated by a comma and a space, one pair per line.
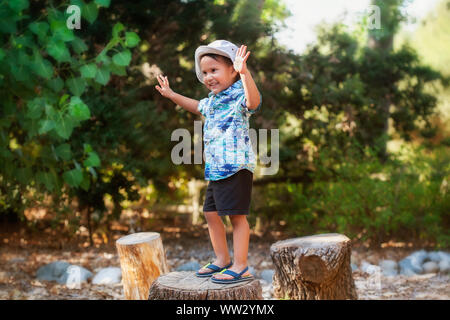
217, 74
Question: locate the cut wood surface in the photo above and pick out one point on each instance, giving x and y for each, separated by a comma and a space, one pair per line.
313, 268
142, 260
184, 285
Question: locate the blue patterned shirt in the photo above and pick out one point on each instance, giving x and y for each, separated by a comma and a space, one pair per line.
227, 144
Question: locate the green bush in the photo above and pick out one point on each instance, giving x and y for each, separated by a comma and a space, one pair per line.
404, 199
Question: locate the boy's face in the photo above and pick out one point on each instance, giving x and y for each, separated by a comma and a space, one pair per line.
217, 75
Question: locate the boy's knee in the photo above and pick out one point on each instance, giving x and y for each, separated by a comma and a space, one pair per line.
210, 215
238, 219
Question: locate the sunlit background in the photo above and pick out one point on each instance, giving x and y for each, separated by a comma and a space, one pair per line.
306, 15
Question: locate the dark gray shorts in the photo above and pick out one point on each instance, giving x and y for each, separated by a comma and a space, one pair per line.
230, 196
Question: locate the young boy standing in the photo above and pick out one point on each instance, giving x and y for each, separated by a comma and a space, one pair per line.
230, 161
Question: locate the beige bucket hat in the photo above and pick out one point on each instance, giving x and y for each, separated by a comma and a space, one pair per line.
221, 47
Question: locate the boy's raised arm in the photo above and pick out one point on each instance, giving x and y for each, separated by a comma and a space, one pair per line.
186, 103
252, 95
250, 89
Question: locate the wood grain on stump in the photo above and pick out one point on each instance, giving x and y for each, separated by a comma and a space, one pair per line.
142, 260
313, 268
184, 285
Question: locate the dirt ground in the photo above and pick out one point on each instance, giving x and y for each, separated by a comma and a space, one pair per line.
22, 252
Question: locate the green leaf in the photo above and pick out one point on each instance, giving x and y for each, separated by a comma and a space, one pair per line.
93, 172
56, 84
25, 40
87, 148
42, 67
58, 50
76, 86
116, 29
90, 12
39, 28
77, 165
119, 70
63, 99
35, 108
104, 59
47, 179
131, 39
122, 58
63, 126
45, 126
79, 46
73, 177
78, 109
60, 31
103, 3
8, 24
92, 161
2, 54
50, 111
86, 183
88, 71
102, 76
18, 5
19, 71
63, 151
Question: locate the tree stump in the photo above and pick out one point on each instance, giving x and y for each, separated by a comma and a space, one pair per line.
313, 268
184, 285
142, 260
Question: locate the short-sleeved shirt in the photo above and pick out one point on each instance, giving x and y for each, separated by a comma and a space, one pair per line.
227, 143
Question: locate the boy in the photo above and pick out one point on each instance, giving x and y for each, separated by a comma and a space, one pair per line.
230, 162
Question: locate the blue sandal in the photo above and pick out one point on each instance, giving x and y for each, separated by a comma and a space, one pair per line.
237, 277
212, 267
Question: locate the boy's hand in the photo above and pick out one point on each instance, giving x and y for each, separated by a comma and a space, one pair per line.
165, 88
240, 62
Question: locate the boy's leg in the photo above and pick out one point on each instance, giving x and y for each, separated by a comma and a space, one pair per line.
217, 234
241, 238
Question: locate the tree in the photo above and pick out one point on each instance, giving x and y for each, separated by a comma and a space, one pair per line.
336, 89
94, 127
46, 70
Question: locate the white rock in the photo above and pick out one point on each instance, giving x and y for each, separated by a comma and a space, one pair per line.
438, 256
364, 265
444, 256
370, 268
52, 271
434, 256
430, 267
388, 265
189, 266
412, 264
74, 276
444, 266
418, 257
389, 268
109, 275
407, 272
267, 275
390, 272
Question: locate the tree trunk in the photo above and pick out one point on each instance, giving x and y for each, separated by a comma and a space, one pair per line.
142, 260
195, 186
313, 268
384, 45
89, 225
185, 285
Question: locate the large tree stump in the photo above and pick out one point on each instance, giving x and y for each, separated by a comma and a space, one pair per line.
184, 285
313, 268
142, 260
